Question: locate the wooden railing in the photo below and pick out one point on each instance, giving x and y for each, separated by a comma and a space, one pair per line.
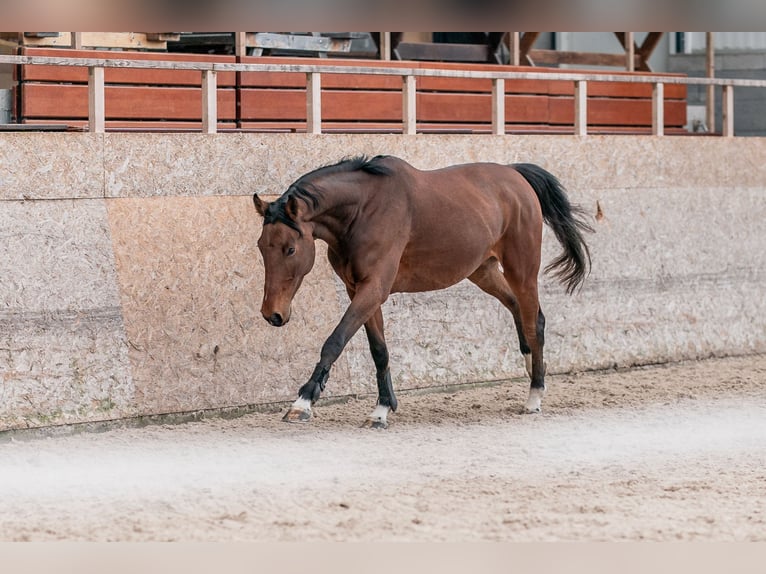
314, 72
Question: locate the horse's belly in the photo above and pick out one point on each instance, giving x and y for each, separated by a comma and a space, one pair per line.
433, 276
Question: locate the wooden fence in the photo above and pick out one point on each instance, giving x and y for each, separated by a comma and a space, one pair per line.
213, 93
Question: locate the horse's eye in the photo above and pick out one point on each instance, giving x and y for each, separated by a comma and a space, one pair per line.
290, 251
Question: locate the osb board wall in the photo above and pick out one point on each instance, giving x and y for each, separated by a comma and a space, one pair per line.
130, 283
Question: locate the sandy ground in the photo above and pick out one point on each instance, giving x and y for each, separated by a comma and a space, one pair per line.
661, 453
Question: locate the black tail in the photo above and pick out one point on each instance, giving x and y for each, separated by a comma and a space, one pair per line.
566, 221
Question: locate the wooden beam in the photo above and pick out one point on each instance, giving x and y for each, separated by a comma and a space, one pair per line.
96, 108
209, 102
240, 44
648, 46
76, 41
525, 46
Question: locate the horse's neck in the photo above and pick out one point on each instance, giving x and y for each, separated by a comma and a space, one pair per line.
335, 216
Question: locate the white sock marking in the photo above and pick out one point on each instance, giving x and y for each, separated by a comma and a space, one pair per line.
534, 402
380, 414
302, 405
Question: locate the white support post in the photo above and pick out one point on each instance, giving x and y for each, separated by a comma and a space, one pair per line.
314, 103
658, 109
409, 105
96, 107
498, 106
514, 49
581, 108
727, 110
209, 102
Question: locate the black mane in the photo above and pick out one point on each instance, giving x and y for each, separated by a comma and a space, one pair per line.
304, 190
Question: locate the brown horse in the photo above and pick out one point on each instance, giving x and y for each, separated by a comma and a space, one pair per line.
392, 228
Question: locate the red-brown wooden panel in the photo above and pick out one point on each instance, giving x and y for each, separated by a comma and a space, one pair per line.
124, 102
617, 112
79, 74
618, 90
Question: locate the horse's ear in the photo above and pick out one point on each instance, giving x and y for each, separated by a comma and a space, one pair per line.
260, 206
294, 208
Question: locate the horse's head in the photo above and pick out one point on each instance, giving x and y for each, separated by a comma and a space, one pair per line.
287, 247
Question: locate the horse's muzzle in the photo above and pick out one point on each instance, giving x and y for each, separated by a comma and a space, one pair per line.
276, 320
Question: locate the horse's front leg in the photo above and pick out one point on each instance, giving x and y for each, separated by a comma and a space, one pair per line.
386, 398
359, 311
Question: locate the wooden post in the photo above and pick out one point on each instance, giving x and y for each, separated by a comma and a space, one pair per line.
76, 40
409, 105
710, 73
96, 108
498, 106
658, 109
314, 102
240, 44
630, 52
209, 102
385, 45
727, 111
581, 108
514, 49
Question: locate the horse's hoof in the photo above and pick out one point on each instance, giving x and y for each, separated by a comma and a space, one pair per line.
374, 424
297, 416
535, 401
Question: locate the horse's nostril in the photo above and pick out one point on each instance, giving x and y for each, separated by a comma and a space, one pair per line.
276, 320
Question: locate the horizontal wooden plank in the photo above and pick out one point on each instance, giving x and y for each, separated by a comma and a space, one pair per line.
619, 90
123, 102
432, 127
79, 74
366, 106
122, 125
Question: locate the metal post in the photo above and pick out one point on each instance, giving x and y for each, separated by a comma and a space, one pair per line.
96, 108
209, 102
409, 105
658, 109
710, 73
581, 108
498, 106
314, 103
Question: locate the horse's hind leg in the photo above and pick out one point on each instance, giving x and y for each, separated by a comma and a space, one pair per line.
489, 278
386, 398
533, 324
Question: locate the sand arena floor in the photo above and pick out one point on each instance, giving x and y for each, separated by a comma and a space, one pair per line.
660, 453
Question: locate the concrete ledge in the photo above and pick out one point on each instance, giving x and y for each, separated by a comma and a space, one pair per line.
130, 283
